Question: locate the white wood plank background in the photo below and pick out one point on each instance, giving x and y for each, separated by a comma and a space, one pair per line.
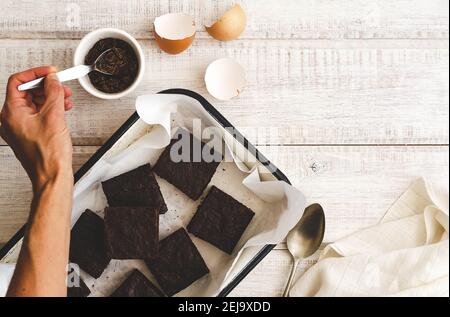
268, 19
319, 89
348, 98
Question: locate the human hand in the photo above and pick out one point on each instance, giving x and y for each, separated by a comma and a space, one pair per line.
33, 124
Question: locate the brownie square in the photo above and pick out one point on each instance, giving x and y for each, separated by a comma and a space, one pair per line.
78, 291
135, 188
221, 220
132, 232
179, 263
87, 244
137, 285
188, 172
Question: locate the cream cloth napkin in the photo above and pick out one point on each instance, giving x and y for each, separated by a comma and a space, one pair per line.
407, 254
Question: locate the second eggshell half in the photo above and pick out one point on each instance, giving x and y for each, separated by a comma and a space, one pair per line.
230, 25
225, 78
174, 32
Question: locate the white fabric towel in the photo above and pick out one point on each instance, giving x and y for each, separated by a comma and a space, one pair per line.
407, 254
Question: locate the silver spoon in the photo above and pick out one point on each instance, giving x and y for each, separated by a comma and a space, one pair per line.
69, 74
305, 238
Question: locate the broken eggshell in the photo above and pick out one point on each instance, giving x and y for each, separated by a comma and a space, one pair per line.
174, 32
225, 78
230, 25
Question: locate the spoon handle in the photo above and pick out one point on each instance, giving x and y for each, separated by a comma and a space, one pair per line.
65, 75
291, 278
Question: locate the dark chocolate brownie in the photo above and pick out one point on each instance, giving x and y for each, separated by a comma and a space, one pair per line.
137, 285
132, 232
188, 172
221, 220
135, 188
87, 244
179, 263
81, 291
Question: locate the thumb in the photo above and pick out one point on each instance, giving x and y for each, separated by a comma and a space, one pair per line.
54, 92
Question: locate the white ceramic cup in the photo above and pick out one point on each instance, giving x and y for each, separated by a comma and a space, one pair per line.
88, 41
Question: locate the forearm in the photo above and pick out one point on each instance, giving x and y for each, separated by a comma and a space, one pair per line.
41, 267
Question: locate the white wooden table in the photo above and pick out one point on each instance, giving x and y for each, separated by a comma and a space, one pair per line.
349, 98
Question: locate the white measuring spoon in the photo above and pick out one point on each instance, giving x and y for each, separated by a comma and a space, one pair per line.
69, 74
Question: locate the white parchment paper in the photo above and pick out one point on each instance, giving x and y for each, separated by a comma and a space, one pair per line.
277, 205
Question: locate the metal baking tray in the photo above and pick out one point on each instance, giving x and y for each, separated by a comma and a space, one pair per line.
250, 257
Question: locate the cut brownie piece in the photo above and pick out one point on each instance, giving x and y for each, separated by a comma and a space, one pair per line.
132, 232
77, 291
179, 263
189, 172
137, 285
221, 220
87, 244
135, 188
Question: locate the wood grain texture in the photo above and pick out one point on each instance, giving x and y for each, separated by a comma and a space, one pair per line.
269, 277
299, 92
268, 19
355, 184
